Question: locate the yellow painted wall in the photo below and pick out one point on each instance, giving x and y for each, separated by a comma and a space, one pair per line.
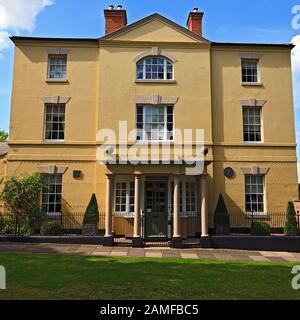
227, 91
30, 74
278, 150
155, 31
116, 99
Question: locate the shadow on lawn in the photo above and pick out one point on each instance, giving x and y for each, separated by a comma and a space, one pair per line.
35, 276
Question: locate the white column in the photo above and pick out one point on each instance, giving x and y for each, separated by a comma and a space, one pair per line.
137, 207
204, 204
176, 219
109, 204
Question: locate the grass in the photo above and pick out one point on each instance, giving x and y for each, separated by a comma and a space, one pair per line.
36, 276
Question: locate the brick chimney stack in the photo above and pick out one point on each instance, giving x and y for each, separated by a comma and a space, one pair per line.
194, 22
115, 19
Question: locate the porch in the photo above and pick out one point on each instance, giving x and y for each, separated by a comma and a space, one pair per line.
166, 209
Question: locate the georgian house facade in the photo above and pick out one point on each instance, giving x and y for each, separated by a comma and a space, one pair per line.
159, 77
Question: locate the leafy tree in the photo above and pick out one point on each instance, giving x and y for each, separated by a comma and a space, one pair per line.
222, 217
3, 135
291, 228
21, 195
92, 213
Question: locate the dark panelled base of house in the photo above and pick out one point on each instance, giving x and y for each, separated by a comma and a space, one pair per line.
58, 240
261, 243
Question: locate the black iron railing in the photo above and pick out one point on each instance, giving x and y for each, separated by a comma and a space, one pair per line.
22, 225
155, 228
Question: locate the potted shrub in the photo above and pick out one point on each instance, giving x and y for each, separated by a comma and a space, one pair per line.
259, 228
222, 219
291, 226
91, 218
51, 228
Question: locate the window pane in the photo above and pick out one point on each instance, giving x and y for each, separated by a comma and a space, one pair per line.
55, 122
57, 67
154, 69
254, 193
252, 124
156, 123
52, 194
250, 71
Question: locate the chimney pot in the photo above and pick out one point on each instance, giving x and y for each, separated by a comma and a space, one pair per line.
111, 7
195, 10
119, 7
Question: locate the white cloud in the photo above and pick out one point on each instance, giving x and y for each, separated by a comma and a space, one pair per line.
295, 53
296, 69
3, 39
18, 15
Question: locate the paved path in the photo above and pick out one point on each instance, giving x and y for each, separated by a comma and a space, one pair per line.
94, 250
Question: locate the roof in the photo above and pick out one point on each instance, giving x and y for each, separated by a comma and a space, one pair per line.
152, 17
282, 45
145, 20
3, 148
15, 38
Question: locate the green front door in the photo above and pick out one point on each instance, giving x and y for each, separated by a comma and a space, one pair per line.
156, 209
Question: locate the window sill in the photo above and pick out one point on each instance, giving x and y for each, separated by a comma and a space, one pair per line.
57, 81
257, 215
53, 214
155, 81
147, 142
54, 141
254, 143
124, 215
252, 84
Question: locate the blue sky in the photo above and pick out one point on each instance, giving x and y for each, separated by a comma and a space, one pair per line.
231, 21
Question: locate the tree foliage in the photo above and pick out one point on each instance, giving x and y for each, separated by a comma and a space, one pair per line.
92, 212
291, 228
21, 195
3, 135
221, 213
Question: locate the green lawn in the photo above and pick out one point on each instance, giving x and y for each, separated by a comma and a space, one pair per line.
33, 276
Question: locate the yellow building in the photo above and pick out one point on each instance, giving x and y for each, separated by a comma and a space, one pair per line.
161, 79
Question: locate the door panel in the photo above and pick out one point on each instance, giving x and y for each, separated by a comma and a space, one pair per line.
156, 209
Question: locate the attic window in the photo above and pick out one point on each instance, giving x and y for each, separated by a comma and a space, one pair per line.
155, 68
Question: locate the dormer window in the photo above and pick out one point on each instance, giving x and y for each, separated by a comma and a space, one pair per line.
155, 68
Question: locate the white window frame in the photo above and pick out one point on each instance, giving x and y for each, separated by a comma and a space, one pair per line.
165, 65
257, 68
50, 56
128, 213
48, 176
183, 212
260, 125
263, 212
46, 122
144, 138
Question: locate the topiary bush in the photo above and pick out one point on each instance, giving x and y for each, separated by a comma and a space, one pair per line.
92, 213
51, 228
291, 226
259, 228
222, 218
